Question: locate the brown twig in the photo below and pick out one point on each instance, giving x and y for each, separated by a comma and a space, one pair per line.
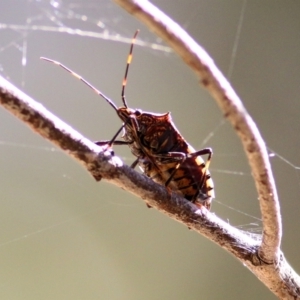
233, 109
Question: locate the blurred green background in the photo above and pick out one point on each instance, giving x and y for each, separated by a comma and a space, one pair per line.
64, 236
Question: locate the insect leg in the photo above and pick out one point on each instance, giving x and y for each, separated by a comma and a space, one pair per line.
205, 151
134, 164
113, 141
107, 142
115, 136
178, 157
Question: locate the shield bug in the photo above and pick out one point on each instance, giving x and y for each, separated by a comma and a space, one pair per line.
161, 151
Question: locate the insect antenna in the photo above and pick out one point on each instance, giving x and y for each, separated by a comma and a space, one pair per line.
83, 80
129, 59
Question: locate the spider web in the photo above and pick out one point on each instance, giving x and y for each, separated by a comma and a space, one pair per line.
80, 35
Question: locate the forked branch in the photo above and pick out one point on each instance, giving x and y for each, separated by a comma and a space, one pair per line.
230, 104
212, 79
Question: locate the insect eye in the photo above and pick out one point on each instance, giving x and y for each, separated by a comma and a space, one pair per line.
138, 112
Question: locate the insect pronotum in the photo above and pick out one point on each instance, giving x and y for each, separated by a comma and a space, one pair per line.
161, 151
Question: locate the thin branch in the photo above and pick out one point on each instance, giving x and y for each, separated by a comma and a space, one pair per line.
233, 109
